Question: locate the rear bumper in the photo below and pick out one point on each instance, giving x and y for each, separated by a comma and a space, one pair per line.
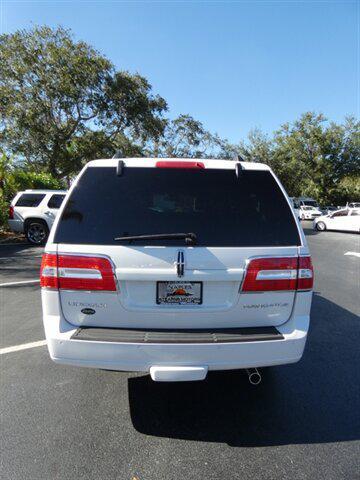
142, 356
16, 225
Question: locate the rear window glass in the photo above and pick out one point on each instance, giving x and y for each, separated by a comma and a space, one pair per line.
30, 200
220, 209
56, 201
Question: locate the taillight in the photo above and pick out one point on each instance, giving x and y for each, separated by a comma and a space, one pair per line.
48, 271
75, 272
178, 164
273, 274
305, 274
11, 212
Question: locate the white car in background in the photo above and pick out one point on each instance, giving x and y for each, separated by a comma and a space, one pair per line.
309, 212
33, 212
347, 220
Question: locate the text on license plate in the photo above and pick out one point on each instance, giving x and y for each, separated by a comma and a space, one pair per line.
179, 293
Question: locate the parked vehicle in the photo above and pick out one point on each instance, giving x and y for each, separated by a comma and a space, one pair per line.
328, 209
306, 202
347, 219
353, 205
295, 207
33, 212
176, 267
309, 212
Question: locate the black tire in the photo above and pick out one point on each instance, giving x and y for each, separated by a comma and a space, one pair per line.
36, 231
320, 226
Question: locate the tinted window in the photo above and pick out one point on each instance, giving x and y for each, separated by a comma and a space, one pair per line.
355, 212
30, 200
312, 203
56, 201
220, 209
342, 213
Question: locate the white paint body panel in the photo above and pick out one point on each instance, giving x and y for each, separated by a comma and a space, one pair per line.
141, 357
133, 305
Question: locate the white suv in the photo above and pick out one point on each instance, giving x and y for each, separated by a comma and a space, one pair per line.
308, 212
176, 267
33, 212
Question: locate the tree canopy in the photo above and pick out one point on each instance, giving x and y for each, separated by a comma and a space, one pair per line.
63, 103
60, 97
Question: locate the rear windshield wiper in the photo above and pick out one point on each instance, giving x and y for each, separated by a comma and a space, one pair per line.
189, 238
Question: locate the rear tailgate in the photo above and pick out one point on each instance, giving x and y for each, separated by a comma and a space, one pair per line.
138, 271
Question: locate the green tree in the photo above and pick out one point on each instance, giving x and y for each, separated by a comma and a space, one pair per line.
59, 96
311, 156
184, 137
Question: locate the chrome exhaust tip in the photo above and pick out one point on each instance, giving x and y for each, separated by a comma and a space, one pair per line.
254, 376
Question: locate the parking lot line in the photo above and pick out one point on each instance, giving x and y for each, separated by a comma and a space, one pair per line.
355, 254
22, 282
24, 346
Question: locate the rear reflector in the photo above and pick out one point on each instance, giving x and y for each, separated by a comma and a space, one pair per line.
273, 274
74, 272
179, 164
11, 212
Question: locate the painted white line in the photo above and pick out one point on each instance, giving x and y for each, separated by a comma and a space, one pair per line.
24, 346
354, 254
23, 282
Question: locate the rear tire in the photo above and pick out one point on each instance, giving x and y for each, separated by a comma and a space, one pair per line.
320, 226
36, 232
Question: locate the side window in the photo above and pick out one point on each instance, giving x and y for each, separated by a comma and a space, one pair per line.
341, 213
29, 200
55, 201
355, 212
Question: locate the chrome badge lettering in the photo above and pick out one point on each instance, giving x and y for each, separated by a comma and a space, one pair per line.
267, 305
87, 305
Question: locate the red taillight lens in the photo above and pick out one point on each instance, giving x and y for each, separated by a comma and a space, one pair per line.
73, 272
48, 271
272, 274
265, 274
85, 273
179, 164
305, 274
11, 212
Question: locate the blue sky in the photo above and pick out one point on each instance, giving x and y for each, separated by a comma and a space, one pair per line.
233, 65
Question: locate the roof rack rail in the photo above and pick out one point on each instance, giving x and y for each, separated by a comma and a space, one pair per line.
238, 158
239, 169
119, 168
118, 154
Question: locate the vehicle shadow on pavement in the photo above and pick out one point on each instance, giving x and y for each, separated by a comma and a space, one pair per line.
313, 401
19, 262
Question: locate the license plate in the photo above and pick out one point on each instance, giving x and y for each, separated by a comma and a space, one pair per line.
179, 293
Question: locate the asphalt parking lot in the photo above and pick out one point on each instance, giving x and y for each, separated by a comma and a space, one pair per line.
301, 422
